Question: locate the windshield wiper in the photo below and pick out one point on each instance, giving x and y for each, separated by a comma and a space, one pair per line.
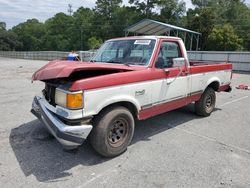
117, 62
92, 60
126, 64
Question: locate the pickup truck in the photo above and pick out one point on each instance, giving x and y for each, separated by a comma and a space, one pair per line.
129, 79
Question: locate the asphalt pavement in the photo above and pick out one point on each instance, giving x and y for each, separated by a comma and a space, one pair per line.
175, 149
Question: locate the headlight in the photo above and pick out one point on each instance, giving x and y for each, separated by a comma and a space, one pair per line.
69, 100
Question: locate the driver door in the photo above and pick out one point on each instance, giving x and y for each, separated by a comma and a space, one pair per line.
174, 86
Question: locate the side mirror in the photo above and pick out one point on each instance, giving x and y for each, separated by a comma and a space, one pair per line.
179, 62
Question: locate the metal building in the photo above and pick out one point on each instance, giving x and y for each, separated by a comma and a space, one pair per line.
152, 27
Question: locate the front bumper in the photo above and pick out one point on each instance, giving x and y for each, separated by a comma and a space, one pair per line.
70, 136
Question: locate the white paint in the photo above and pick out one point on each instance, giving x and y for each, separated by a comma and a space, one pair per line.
143, 42
155, 91
233, 101
211, 139
97, 177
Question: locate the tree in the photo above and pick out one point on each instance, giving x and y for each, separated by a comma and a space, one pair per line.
120, 22
105, 12
201, 3
31, 34
59, 32
234, 12
224, 38
171, 11
203, 21
2, 26
83, 28
106, 8
94, 43
238, 15
86, 27
145, 7
9, 41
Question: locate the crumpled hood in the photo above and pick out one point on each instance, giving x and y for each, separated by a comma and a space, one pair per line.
63, 69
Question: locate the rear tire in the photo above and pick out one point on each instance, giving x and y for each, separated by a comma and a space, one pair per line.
113, 131
205, 105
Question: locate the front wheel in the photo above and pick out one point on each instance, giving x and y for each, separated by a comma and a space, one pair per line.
205, 105
113, 131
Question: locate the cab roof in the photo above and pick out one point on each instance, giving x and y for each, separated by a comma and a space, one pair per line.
145, 37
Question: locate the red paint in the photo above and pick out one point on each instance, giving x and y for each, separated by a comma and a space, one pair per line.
166, 107
121, 78
158, 46
197, 63
117, 79
125, 75
224, 87
148, 74
62, 69
210, 68
132, 74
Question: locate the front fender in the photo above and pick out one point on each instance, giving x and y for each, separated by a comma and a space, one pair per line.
94, 109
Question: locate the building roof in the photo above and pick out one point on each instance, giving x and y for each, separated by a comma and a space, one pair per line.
152, 27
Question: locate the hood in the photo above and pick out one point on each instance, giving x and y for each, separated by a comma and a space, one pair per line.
63, 69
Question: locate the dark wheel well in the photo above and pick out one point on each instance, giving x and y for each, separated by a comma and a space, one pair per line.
215, 85
130, 106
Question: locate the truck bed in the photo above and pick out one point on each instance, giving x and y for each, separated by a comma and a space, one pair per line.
208, 66
198, 62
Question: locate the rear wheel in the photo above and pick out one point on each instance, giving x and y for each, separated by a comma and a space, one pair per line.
205, 105
113, 131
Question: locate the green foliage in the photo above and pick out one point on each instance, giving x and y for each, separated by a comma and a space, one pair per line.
145, 7
2, 26
9, 41
106, 8
171, 11
217, 20
212, 15
82, 28
58, 32
224, 38
30, 33
203, 21
94, 43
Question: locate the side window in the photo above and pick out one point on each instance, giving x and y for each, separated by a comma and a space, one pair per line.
168, 51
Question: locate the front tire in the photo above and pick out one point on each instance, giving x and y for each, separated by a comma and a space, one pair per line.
205, 105
113, 131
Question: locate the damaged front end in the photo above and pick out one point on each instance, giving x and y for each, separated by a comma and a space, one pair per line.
67, 126
60, 108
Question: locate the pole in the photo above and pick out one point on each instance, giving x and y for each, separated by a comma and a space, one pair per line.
81, 37
191, 43
197, 44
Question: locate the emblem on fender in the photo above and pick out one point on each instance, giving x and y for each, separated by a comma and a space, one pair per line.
138, 93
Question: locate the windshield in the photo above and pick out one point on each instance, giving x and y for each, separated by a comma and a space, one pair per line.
129, 52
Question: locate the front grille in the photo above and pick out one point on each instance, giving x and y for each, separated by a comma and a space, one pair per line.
49, 93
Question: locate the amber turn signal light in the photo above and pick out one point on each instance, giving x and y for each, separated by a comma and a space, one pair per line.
74, 101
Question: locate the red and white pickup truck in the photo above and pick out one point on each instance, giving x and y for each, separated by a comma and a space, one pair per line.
129, 78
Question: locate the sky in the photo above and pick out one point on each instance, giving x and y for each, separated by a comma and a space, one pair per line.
13, 12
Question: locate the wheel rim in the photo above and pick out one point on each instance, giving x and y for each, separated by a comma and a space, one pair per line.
118, 132
210, 103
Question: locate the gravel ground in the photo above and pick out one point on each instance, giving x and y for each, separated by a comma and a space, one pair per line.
175, 149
